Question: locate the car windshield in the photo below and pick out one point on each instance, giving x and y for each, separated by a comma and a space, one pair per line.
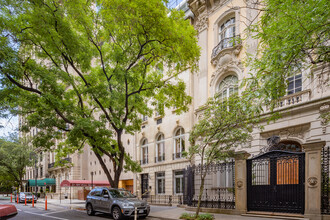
115, 193
28, 194
126, 194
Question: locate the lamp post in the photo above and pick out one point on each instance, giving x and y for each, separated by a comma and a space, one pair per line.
92, 173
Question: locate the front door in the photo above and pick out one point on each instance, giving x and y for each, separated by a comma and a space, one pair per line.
275, 182
144, 185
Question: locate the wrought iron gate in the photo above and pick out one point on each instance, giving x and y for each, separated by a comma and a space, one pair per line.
275, 182
325, 183
219, 187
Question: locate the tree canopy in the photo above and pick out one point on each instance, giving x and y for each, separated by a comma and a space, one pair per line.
292, 36
90, 69
223, 125
14, 157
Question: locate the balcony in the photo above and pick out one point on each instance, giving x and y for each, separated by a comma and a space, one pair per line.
177, 155
230, 42
160, 158
293, 99
144, 161
52, 165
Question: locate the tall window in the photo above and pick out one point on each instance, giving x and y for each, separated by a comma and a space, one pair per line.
227, 33
179, 143
228, 86
294, 84
160, 148
160, 183
178, 182
144, 151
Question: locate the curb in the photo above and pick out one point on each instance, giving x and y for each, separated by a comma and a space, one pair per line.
162, 218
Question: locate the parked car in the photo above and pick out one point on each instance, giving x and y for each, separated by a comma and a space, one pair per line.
28, 196
116, 202
7, 211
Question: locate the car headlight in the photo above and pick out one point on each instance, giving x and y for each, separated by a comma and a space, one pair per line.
128, 205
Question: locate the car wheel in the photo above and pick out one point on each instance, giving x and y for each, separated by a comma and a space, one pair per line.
116, 213
90, 210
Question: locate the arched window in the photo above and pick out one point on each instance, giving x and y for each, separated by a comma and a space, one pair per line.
179, 143
144, 151
160, 148
228, 86
227, 33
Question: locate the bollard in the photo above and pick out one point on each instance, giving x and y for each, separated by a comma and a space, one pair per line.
11, 198
32, 201
46, 203
17, 196
135, 213
25, 199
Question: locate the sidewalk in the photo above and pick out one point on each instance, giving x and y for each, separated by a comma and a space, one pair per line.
75, 203
175, 213
164, 213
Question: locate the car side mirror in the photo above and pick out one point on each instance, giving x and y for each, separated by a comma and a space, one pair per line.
105, 196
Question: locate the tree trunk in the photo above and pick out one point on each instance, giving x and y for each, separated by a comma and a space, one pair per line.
201, 189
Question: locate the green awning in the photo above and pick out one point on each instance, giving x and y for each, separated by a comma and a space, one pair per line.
44, 182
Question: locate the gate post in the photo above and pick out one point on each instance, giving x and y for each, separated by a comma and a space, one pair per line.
240, 182
313, 179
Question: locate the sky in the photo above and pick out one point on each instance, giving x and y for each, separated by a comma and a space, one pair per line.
9, 126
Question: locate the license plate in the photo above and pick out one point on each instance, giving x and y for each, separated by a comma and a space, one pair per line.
141, 211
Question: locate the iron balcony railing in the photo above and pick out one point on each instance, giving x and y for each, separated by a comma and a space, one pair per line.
144, 161
226, 43
177, 155
160, 158
51, 165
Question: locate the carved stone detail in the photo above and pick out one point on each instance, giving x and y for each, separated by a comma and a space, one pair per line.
239, 184
312, 181
227, 64
324, 111
202, 21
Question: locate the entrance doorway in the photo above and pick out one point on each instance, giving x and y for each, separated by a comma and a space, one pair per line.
144, 185
275, 182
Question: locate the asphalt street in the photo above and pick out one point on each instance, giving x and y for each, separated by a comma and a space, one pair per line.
53, 212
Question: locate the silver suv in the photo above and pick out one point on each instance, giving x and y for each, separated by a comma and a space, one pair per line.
118, 202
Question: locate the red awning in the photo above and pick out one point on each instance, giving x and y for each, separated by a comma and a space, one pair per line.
68, 183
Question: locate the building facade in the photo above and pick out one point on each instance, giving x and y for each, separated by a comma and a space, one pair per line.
158, 146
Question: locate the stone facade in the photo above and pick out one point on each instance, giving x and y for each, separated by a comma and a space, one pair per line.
300, 121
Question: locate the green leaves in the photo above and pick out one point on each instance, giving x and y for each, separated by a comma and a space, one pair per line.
90, 69
223, 125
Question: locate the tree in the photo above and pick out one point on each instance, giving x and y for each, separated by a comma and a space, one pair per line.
224, 125
90, 69
292, 35
14, 157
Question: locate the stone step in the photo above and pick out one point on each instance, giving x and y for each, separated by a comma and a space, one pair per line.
276, 215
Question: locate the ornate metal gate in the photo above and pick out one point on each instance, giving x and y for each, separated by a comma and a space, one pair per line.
275, 182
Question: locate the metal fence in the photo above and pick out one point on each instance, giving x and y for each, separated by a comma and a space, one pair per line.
219, 186
165, 199
325, 181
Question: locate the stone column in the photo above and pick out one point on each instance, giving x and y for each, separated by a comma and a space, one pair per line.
313, 179
240, 182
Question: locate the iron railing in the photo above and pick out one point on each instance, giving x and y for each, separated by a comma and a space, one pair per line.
226, 43
165, 199
219, 187
51, 165
177, 155
160, 158
325, 181
144, 161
